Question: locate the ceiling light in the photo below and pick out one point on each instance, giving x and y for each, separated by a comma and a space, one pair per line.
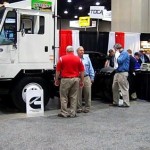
97, 3
75, 16
65, 12
69, 1
80, 8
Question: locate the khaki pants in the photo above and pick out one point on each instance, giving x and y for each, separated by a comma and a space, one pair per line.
68, 93
86, 91
120, 83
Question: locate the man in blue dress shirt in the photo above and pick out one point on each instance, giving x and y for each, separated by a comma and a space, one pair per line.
120, 82
88, 80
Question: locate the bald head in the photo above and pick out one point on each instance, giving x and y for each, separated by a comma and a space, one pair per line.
69, 49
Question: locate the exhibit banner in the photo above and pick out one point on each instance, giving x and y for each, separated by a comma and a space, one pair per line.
43, 5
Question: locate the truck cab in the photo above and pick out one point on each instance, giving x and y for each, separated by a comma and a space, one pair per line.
27, 50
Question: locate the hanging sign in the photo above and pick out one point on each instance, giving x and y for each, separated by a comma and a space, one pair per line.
107, 15
84, 21
96, 12
75, 24
43, 5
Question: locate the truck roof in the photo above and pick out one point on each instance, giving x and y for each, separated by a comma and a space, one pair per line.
22, 4
26, 4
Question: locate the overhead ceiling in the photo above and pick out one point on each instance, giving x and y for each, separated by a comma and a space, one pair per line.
73, 6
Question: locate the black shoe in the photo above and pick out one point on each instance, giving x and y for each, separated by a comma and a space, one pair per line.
114, 105
86, 111
133, 99
124, 106
73, 116
79, 111
61, 115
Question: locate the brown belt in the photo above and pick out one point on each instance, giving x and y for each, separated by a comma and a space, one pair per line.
86, 75
70, 77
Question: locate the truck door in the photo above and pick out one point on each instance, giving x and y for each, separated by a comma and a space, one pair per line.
35, 38
8, 38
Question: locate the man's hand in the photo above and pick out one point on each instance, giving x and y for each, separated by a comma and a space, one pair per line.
92, 81
81, 84
57, 83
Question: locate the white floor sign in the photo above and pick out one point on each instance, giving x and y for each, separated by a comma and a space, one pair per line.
34, 103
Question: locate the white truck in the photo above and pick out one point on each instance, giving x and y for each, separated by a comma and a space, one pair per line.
27, 50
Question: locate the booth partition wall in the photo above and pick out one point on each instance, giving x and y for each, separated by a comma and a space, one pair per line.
98, 41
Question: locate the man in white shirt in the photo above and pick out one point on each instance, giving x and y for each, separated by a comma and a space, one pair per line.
115, 59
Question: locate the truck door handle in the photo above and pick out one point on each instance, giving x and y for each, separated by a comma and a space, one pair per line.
1, 50
46, 48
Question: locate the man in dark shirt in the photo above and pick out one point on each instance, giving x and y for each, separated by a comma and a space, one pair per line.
110, 59
137, 58
143, 57
131, 77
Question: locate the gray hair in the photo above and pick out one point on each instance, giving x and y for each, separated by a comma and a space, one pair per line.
69, 48
117, 46
80, 47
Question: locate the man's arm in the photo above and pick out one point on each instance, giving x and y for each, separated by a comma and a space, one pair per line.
57, 78
91, 71
82, 79
58, 68
106, 63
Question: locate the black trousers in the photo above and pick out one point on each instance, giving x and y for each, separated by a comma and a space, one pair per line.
132, 83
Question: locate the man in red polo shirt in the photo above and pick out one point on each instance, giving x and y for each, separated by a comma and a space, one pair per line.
70, 68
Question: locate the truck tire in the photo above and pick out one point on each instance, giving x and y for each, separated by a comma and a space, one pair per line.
28, 83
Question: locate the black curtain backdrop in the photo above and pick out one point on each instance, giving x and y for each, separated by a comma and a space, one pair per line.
94, 41
88, 40
102, 45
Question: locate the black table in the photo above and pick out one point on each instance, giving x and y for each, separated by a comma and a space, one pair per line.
143, 85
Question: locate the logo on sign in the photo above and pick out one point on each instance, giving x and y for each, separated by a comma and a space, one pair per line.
96, 12
34, 102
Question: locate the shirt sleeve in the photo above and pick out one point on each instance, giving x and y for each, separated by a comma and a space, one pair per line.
91, 70
122, 57
81, 66
58, 66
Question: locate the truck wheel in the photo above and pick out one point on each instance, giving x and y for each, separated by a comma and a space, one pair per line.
25, 84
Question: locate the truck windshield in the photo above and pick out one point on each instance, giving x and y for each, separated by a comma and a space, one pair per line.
8, 31
2, 9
